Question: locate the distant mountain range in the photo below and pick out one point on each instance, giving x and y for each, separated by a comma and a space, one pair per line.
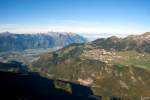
16, 42
140, 43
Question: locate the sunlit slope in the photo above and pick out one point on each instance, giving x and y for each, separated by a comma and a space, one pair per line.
108, 72
139, 43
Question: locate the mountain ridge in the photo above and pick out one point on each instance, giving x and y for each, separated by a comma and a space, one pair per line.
15, 41
140, 43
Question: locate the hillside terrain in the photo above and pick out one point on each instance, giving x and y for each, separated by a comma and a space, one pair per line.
112, 67
110, 70
19, 42
18, 82
140, 43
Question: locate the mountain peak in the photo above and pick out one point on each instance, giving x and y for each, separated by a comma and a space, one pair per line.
39, 40
139, 43
113, 38
6, 32
146, 34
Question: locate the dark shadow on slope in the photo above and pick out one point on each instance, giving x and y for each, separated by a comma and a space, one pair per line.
32, 86
13, 66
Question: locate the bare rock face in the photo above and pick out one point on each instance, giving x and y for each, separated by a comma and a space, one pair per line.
18, 42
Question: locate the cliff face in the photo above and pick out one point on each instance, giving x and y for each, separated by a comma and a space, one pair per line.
13, 42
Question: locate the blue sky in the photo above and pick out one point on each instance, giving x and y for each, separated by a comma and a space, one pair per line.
117, 17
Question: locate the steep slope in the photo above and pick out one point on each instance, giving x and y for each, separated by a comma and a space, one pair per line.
14, 41
140, 43
13, 66
91, 66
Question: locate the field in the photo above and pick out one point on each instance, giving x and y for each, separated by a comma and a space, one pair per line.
133, 58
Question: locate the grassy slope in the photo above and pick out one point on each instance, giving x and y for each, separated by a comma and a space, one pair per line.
141, 60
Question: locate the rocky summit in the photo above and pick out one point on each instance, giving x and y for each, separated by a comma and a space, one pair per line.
18, 42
